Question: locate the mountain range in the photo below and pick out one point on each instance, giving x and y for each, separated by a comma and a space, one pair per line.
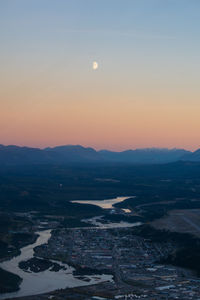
77, 154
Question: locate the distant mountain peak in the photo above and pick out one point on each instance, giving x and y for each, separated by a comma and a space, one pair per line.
13, 154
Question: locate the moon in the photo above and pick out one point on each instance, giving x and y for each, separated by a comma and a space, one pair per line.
95, 65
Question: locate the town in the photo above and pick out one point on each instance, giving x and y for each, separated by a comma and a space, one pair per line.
134, 262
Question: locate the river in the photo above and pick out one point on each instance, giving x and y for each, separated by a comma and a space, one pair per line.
47, 281
106, 204
99, 223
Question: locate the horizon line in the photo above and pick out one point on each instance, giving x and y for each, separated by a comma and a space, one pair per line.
101, 149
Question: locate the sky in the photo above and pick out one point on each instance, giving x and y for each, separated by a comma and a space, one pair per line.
144, 93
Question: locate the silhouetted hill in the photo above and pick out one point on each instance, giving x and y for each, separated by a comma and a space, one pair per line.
192, 156
74, 153
61, 154
78, 154
145, 156
23, 155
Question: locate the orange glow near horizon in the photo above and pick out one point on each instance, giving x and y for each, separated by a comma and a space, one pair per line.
115, 124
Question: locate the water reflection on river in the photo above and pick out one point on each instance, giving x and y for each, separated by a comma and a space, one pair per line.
108, 203
100, 223
47, 281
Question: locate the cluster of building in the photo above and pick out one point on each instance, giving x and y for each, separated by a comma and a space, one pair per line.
133, 261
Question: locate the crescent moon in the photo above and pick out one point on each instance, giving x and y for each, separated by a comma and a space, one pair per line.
95, 65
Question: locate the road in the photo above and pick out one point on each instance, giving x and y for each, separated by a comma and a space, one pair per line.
191, 223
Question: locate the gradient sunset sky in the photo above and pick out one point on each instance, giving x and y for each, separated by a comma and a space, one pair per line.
145, 93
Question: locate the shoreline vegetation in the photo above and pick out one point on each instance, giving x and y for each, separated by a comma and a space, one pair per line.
9, 282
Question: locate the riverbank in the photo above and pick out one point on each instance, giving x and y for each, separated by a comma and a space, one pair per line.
47, 280
9, 282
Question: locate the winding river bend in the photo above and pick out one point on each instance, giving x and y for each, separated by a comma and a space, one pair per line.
46, 281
